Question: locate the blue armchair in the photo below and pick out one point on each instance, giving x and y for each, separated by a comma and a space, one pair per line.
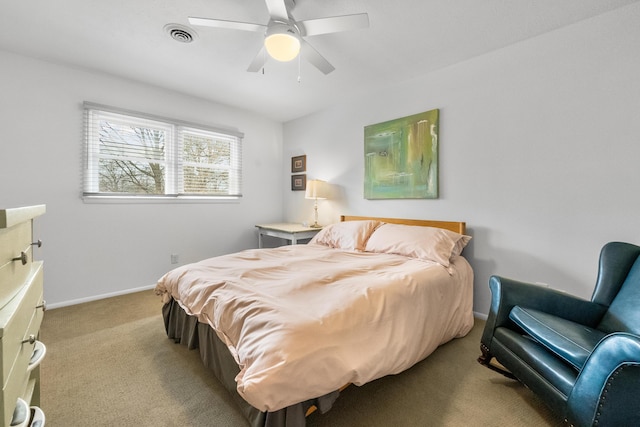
581, 357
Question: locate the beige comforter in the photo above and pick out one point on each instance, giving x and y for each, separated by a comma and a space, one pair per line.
304, 320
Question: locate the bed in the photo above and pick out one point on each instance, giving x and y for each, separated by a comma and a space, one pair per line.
285, 329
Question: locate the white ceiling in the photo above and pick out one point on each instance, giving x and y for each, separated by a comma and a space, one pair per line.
406, 38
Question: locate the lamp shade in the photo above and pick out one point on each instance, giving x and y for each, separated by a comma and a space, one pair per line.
282, 42
317, 189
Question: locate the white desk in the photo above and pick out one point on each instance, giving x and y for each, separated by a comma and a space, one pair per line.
291, 232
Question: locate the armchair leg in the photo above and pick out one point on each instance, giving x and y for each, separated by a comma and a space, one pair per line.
485, 360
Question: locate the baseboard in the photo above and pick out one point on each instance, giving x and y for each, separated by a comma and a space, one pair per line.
97, 297
480, 316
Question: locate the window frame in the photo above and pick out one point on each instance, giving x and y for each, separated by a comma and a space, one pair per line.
173, 158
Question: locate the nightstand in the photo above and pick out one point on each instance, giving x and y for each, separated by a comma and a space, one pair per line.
291, 232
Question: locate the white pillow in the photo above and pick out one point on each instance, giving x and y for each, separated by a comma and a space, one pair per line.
425, 243
348, 235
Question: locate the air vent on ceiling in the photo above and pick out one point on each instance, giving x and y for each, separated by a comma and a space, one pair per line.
180, 33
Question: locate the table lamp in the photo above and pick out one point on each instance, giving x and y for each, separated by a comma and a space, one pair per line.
316, 189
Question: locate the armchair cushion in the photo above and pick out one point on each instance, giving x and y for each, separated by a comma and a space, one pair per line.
570, 341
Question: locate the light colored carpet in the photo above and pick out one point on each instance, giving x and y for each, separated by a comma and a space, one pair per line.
109, 363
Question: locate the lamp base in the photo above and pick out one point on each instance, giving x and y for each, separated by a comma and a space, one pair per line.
315, 211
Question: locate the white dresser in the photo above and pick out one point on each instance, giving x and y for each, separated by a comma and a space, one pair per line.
21, 310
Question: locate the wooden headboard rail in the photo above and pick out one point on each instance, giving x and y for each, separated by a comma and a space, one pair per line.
458, 227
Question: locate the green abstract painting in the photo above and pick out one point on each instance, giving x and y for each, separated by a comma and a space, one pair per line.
401, 158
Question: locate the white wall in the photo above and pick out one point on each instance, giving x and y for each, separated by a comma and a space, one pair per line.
93, 250
539, 152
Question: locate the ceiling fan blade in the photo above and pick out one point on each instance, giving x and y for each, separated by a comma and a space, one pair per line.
277, 10
259, 61
220, 23
333, 24
310, 54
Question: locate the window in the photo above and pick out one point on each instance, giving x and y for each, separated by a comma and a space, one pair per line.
134, 155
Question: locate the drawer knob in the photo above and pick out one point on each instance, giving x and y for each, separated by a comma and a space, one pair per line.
30, 340
42, 305
22, 258
38, 243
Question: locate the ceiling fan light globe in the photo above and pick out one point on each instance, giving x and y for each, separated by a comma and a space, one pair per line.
282, 46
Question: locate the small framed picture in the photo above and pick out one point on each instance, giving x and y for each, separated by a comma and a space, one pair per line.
298, 182
298, 164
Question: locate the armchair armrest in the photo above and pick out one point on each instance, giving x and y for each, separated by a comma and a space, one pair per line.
506, 293
607, 388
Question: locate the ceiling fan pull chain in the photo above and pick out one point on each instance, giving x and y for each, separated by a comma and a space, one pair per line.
299, 79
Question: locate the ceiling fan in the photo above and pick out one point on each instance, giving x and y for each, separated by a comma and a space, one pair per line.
284, 36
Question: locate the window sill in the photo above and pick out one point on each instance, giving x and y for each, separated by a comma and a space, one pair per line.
106, 199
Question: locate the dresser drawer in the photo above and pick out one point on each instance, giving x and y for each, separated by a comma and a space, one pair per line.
16, 243
19, 319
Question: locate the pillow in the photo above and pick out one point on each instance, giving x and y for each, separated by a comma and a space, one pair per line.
348, 235
425, 243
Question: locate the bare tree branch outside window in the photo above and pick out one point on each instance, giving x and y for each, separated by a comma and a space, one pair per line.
132, 159
206, 164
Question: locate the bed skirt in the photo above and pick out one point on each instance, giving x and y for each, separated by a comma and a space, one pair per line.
186, 330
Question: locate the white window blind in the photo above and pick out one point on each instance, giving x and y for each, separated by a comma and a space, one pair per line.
135, 155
